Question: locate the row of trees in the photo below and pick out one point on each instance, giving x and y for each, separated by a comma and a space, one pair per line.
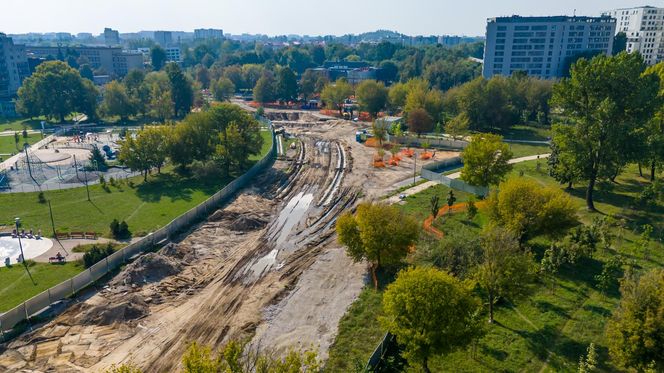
222, 138
56, 90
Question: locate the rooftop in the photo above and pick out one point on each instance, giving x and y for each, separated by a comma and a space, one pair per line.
549, 19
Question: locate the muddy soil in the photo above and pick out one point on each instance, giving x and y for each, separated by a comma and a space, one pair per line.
265, 267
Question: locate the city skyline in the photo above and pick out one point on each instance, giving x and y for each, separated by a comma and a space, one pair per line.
418, 17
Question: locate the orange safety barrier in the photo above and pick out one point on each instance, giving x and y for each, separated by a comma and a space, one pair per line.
408, 153
426, 156
428, 222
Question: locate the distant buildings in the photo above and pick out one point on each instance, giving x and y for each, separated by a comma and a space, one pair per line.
163, 38
173, 54
111, 60
14, 68
644, 27
353, 71
111, 37
204, 34
542, 46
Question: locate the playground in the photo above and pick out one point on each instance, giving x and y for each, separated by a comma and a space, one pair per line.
63, 163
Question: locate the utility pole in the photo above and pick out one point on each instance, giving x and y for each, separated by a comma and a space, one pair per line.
55, 235
414, 168
18, 221
85, 175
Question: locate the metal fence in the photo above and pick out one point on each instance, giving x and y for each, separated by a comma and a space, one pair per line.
40, 302
435, 172
434, 142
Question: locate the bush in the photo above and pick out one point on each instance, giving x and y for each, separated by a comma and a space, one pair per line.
96, 254
206, 170
120, 230
471, 210
649, 195
41, 198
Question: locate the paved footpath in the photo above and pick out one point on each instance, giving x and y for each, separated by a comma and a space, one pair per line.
456, 175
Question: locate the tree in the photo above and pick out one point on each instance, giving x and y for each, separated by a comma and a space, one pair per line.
56, 90
308, 83
611, 271
286, 85
378, 233
562, 165
97, 158
117, 102
223, 89
458, 126
203, 76
451, 198
181, 91
588, 363
652, 135
335, 94
430, 313
485, 160
606, 111
435, 206
372, 96
635, 332
135, 156
379, 130
505, 270
528, 209
155, 139
419, 122
86, 72
158, 57
265, 90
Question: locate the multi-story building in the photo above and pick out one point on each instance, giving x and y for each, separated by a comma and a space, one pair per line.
644, 28
13, 66
542, 46
111, 37
209, 33
163, 38
173, 54
113, 60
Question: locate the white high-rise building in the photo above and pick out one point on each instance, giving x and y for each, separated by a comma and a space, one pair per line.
204, 34
543, 46
644, 27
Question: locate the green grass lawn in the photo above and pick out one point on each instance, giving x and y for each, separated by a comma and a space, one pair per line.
530, 133
523, 150
17, 287
419, 205
17, 125
8, 144
550, 328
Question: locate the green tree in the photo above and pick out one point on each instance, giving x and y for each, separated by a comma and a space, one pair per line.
430, 313
652, 135
55, 90
485, 160
97, 158
635, 333
379, 129
335, 94
223, 89
505, 269
308, 83
265, 90
610, 274
378, 233
181, 90
86, 72
435, 206
528, 209
607, 113
458, 126
286, 85
117, 102
588, 363
158, 57
451, 198
372, 96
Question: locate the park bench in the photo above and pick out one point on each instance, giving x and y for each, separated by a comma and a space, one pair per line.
75, 235
57, 259
91, 235
62, 236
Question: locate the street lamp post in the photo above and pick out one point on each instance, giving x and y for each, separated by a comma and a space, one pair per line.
414, 168
20, 245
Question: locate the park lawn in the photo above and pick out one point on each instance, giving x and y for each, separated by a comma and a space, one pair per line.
523, 150
8, 144
145, 206
529, 133
17, 125
17, 287
419, 205
551, 327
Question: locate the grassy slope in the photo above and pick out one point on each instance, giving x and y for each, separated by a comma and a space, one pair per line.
8, 146
549, 329
16, 285
522, 150
145, 206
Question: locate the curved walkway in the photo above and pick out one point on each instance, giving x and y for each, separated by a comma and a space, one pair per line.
419, 188
459, 207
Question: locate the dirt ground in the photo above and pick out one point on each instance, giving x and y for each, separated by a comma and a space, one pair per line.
266, 267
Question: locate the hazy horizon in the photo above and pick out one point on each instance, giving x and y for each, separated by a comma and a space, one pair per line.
416, 17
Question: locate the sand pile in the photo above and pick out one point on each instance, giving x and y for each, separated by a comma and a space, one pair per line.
239, 222
131, 308
151, 267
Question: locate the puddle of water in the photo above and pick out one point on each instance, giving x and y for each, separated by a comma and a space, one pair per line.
264, 263
291, 215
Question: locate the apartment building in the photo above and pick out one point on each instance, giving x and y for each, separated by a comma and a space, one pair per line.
209, 33
111, 37
644, 28
14, 66
113, 60
163, 38
541, 46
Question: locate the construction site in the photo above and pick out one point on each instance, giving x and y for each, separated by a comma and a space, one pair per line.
266, 267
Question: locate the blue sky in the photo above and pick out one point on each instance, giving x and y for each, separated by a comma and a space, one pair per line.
278, 17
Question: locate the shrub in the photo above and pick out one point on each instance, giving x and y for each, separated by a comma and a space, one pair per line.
96, 254
649, 195
206, 170
120, 230
471, 209
41, 198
